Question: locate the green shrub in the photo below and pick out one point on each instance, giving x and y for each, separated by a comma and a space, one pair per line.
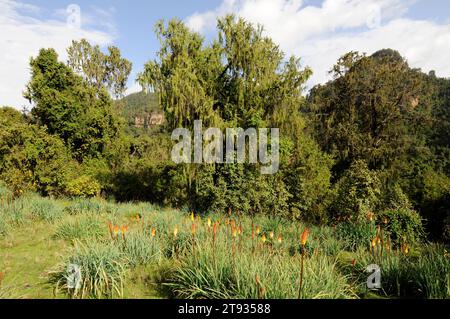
357, 192
83, 186
403, 225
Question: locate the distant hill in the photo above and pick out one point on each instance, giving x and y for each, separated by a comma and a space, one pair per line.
141, 110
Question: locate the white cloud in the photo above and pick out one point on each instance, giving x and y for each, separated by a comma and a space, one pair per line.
320, 35
23, 32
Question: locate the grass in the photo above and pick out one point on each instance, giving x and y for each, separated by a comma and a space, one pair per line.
82, 227
158, 253
103, 272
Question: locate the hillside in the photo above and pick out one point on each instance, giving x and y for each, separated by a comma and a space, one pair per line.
141, 110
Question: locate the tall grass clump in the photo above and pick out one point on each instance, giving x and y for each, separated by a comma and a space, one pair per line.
424, 273
84, 206
215, 273
81, 227
354, 235
14, 213
140, 248
102, 272
46, 210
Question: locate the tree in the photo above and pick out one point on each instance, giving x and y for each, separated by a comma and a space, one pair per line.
100, 69
30, 158
69, 107
376, 109
242, 79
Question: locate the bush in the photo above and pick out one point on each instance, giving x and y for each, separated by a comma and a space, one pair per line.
30, 158
357, 192
83, 186
403, 225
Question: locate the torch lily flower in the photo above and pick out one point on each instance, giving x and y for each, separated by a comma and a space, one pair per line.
263, 238
305, 235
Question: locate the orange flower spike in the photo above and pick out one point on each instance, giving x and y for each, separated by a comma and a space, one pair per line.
153, 232
215, 229
110, 226
305, 235
233, 224
385, 221
263, 238
354, 262
116, 230
374, 241
194, 229
280, 239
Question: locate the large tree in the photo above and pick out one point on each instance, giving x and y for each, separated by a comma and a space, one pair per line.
376, 109
70, 107
100, 69
241, 79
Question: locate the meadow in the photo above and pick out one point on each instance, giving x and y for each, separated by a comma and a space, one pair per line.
139, 250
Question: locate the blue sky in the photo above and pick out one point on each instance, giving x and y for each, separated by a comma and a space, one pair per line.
315, 30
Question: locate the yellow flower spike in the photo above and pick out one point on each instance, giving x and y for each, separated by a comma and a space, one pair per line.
264, 239
192, 216
271, 235
385, 221
116, 230
209, 222
234, 232
374, 242
175, 232
258, 230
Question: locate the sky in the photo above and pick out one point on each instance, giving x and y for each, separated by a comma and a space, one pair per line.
317, 31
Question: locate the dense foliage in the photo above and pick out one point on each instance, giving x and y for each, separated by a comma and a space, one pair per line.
373, 141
